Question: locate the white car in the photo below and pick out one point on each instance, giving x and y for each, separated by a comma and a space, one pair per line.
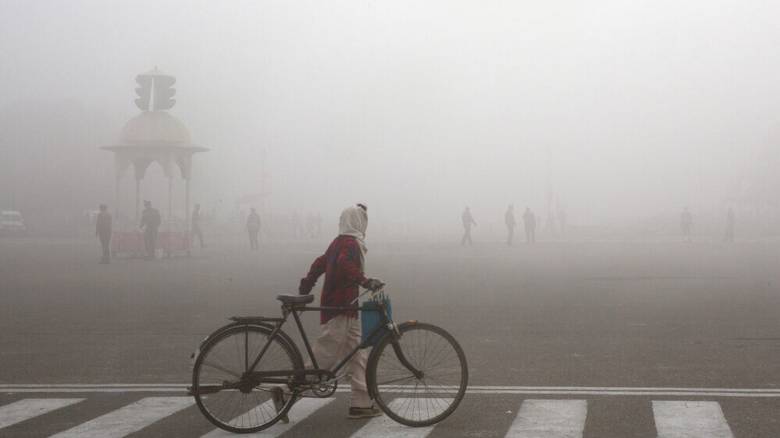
12, 222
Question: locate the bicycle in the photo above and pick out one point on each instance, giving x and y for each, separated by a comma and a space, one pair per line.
239, 366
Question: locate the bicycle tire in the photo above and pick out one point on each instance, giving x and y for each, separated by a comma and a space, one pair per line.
426, 347
249, 412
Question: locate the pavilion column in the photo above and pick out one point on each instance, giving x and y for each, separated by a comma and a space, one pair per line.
117, 189
187, 204
170, 201
137, 200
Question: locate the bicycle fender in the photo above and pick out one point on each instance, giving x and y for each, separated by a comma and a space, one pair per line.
285, 337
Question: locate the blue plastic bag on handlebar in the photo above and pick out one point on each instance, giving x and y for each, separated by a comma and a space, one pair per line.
371, 318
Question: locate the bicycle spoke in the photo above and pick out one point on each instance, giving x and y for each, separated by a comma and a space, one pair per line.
402, 379
222, 368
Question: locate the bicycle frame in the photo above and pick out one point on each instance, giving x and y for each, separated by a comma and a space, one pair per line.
277, 376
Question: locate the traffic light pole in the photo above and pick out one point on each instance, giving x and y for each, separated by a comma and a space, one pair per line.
137, 201
187, 212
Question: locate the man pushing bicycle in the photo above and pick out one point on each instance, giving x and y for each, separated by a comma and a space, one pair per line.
415, 372
344, 265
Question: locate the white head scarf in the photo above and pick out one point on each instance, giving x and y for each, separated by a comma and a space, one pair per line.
353, 222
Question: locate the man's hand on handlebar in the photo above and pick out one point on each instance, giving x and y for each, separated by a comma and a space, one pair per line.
373, 284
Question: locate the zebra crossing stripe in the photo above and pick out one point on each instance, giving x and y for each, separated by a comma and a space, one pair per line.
128, 419
385, 427
690, 419
22, 410
299, 412
571, 391
549, 419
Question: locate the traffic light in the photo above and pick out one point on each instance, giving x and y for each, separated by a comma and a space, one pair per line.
164, 92
144, 92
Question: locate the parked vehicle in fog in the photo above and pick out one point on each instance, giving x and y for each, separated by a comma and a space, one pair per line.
12, 222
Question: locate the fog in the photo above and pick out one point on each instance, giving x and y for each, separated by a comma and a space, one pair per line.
621, 113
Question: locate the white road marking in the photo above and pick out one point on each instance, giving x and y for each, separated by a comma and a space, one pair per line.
385, 427
690, 419
549, 419
528, 390
299, 412
22, 410
128, 419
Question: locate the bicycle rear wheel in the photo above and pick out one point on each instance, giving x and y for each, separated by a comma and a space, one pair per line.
222, 396
435, 395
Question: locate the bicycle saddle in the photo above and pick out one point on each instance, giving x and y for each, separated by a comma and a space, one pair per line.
295, 299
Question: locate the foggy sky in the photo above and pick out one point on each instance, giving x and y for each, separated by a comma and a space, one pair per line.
420, 108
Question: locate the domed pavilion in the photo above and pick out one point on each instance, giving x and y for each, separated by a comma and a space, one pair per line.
155, 135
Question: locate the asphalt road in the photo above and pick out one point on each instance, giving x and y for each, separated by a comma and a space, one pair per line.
579, 314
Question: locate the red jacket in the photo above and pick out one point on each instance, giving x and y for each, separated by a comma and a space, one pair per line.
343, 269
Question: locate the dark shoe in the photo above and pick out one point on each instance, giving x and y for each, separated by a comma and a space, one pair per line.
357, 413
278, 397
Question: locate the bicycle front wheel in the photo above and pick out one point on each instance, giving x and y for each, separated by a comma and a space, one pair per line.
223, 396
435, 394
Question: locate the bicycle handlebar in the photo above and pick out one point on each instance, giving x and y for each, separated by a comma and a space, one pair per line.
373, 293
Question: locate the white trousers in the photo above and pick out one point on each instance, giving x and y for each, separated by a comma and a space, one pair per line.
338, 337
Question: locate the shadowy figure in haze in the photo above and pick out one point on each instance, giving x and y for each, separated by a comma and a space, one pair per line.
468, 221
311, 225
253, 228
509, 220
686, 223
318, 224
196, 231
529, 221
150, 223
730, 222
562, 220
295, 222
103, 231
343, 265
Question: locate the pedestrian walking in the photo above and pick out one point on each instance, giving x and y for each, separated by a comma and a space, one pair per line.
253, 228
295, 222
150, 224
509, 220
529, 221
103, 231
196, 230
318, 224
686, 224
344, 267
562, 219
468, 221
730, 222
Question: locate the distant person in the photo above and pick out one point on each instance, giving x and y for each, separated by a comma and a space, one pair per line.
196, 231
529, 221
551, 222
103, 231
318, 224
295, 222
150, 224
730, 222
562, 220
686, 223
253, 228
509, 220
310, 224
468, 221
344, 267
